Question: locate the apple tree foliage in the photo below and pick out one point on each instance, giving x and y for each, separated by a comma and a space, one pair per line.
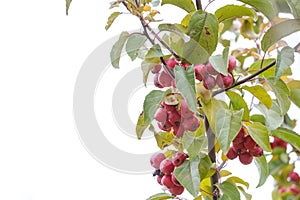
212, 106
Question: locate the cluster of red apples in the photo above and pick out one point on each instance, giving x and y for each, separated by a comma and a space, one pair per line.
205, 73
244, 147
294, 189
180, 118
164, 171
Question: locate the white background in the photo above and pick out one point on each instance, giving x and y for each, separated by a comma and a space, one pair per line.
41, 53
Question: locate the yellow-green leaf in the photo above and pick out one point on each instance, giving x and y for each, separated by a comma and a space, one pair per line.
115, 53
234, 11
111, 19
186, 5
164, 139
68, 3
285, 59
238, 103
260, 93
264, 6
289, 136
263, 169
260, 135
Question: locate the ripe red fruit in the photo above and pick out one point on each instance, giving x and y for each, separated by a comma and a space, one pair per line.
178, 131
174, 118
240, 136
210, 69
185, 112
156, 159
172, 62
191, 124
168, 107
278, 143
231, 63
177, 190
257, 151
161, 115
185, 65
231, 154
165, 79
156, 69
198, 71
166, 126
209, 82
159, 178
294, 176
294, 189
239, 148
174, 180
224, 81
167, 181
166, 167
282, 190
178, 159
245, 158
249, 143
156, 81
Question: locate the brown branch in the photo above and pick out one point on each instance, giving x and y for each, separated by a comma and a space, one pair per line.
198, 4
245, 79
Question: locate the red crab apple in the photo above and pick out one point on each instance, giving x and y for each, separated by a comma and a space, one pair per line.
282, 190
185, 112
209, 82
171, 62
278, 143
200, 71
245, 158
156, 69
174, 118
167, 181
294, 176
240, 136
211, 70
191, 124
176, 190
185, 65
159, 178
224, 81
178, 158
166, 167
166, 126
165, 79
161, 115
178, 131
156, 81
156, 159
249, 143
231, 154
294, 189
231, 63
239, 148
174, 180
257, 151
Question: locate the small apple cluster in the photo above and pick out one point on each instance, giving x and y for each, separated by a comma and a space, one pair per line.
165, 168
210, 77
294, 178
169, 117
278, 143
244, 147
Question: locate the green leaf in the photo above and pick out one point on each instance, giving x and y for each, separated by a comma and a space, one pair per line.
154, 52
282, 94
285, 59
238, 103
117, 48
260, 135
188, 175
229, 191
133, 45
257, 65
220, 62
68, 3
234, 11
279, 31
147, 65
258, 118
141, 126
246, 195
272, 116
295, 7
210, 109
174, 28
111, 19
186, 5
263, 169
289, 136
164, 139
194, 53
260, 93
295, 96
204, 166
152, 102
161, 196
185, 82
235, 180
193, 145
203, 28
227, 127
264, 6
